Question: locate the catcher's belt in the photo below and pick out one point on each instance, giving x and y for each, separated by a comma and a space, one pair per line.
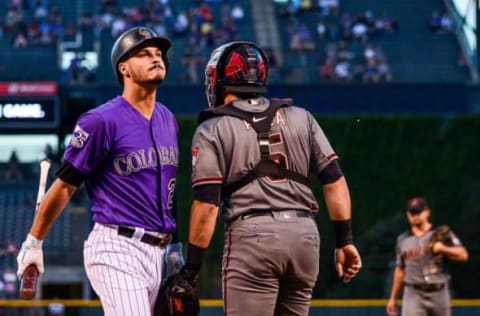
427, 287
277, 213
161, 241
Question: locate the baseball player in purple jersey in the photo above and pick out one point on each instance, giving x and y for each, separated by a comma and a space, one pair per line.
251, 161
126, 153
419, 270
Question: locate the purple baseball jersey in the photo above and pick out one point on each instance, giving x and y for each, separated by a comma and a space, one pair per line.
119, 150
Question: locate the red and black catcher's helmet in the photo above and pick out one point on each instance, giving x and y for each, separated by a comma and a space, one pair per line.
136, 38
237, 67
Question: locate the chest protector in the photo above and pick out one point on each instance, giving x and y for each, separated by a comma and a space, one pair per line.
266, 167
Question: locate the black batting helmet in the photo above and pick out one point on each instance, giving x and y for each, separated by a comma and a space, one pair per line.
136, 38
238, 67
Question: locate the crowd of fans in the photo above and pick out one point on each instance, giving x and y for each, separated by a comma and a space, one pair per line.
345, 44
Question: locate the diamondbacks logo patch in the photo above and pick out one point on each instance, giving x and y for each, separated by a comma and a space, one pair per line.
79, 137
194, 155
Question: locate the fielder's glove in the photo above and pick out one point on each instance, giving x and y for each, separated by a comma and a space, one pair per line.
177, 297
439, 235
174, 258
30, 253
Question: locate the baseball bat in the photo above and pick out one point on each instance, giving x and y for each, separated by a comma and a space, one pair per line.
28, 284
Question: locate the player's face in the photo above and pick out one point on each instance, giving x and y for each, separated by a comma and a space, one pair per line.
418, 218
146, 66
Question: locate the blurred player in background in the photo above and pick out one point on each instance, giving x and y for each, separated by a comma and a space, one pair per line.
252, 158
420, 265
126, 152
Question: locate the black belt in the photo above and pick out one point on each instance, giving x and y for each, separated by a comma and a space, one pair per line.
433, 287
283, 213
146, 238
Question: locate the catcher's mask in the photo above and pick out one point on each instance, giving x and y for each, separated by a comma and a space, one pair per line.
134, 39
237, 67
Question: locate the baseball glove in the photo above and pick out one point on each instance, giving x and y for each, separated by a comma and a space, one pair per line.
177, 297
440, 234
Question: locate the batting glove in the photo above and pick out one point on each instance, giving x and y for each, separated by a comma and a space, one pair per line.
174, 257
30, 253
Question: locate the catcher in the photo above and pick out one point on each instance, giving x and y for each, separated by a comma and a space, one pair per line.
420, 264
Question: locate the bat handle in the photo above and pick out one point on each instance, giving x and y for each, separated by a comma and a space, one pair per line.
28, 285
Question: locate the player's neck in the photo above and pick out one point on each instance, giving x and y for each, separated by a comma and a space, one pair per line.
422, 228
142, 100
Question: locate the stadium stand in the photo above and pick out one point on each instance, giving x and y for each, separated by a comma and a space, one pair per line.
311, 37
305, 37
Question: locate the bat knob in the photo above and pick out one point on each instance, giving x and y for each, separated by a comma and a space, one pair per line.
28, 285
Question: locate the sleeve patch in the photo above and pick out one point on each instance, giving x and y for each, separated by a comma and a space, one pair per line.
79, 137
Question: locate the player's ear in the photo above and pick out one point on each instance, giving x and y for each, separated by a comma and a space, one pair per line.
123, 69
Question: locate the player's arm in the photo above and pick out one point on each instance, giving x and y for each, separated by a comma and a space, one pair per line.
54, 202
454, 253
397, 285
337, 200
61, 191
203, 218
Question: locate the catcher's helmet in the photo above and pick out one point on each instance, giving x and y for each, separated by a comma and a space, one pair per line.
136, 38
238, 67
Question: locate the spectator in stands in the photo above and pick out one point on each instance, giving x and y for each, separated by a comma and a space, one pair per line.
322, 31
2, 292
384, 71
119, 25
181, 24
237, 13
273, 71
327, 71
11, 248
2, 29
13, 17
86, 21
328, 7
10, 281
371, 71
342, 71
13, 171
360, 31
20, 40
435, 22
446, 22
191, 61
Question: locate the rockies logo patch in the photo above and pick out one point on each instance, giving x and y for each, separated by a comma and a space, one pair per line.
79, 137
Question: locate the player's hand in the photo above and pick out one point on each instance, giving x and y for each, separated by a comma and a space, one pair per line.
438, 247
392, 308
348, 262
30, 253
174, 258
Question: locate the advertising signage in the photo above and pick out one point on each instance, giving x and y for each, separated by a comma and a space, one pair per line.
29, 112
29, 105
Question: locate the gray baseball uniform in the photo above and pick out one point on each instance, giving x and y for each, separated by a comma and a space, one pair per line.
271, 251
426, 279
131, 164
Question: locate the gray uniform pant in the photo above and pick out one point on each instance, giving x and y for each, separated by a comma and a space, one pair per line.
270, 265
423, 303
